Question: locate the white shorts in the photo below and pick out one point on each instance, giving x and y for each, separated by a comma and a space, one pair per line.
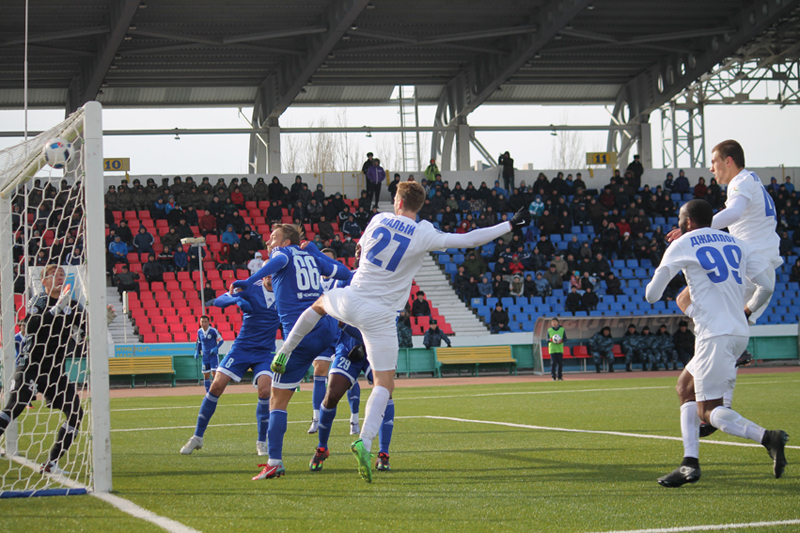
713, 366
327, 358
750, 289
378, 325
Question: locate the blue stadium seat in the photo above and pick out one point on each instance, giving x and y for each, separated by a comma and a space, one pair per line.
623, 273
444, 259
475, 302
451, 268
458, 258
659, 221
491, 302
555, 237
676, 196
576, 230
618, 263
507, 301
581, 313
632, 263
640, 273
645, 263
438, 218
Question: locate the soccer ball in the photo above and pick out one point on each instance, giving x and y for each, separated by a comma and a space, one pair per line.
58, 152
556, 338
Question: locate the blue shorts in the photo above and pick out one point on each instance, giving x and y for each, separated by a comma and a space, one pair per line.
237, 362
344, 366
210, 363
318, 342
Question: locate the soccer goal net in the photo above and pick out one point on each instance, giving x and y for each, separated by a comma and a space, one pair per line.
54, 423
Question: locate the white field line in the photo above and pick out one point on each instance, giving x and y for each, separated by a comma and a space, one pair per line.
223, 425
122, 504
401, 399
711, 527
599, 432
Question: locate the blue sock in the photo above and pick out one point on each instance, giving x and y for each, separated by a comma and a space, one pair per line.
207, 409
385, 433
262, 418
320, 383
326, 417
354, 397
207, 384
277, 428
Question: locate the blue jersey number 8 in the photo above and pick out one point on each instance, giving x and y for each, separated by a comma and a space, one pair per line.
384, 237
719, 267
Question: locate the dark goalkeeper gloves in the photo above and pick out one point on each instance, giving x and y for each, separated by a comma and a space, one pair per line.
521, 219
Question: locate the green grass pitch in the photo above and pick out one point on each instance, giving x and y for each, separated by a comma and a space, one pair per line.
447, 475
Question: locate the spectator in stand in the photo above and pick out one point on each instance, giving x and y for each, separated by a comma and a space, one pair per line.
431, 173
229, 236
337, 245
602, 345
700, 190
255, 264
485, 287
543, 288
517, 287
171, 238
180, 259
683, 340
392, 188
669, 183
785, 246
507, 163
166, 259
420, 307
208, 293
631, 346
375, 177
573, 302
536, 208
553, 278
126, 281
325, 228
562, 268
152, 269
587, 281
589, 300
795, 274
501, 267
613, 285
207, 223
626, 247
500, 287
499, 319
143, 242
351, 228
237, 257
404, 335
118, 252
434, 336
515, 267
367, 164
665, 348
546, 247
681, 184
474, 265
637, 170
183, 229
575, 279
237, 198
530, 286
348, 247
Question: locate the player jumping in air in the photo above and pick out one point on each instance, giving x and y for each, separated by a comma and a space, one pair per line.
208, 343
252, 350
716, 266
750, 216
393, 246
296, 281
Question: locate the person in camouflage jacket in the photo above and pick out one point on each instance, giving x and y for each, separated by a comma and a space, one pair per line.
404, 331
631, 342
666, 348
602, 345
648, 350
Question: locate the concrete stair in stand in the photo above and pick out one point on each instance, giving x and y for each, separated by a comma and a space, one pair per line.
121, 329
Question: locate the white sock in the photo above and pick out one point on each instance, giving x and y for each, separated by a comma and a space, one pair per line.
354, 418
316, 414
735, 424
373, 416
727, 399
274, 462
690, 430
305, 323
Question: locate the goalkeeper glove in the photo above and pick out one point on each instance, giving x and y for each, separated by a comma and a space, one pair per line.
64, 299
521, 218
279, 363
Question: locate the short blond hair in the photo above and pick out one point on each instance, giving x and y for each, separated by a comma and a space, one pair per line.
49, 270
412, 194
292, 232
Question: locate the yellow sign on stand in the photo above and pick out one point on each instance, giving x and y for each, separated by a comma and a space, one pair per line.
601, 158
116, 164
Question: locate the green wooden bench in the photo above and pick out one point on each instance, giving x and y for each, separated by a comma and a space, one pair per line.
474, 357
141, 366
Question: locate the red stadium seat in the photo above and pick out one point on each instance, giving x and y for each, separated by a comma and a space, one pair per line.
227, 335
424, 321
580, 352
545, 353
149, 338
181, 336
446, 328
164, 337
180, 276
169, 276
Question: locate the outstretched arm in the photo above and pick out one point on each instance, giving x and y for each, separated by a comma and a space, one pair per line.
275, 263
476, 237
734, 209
327, 266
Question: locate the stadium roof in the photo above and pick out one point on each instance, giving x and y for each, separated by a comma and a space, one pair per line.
317, 52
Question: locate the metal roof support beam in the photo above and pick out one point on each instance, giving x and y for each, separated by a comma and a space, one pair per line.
283, 84
85, 85
478, 81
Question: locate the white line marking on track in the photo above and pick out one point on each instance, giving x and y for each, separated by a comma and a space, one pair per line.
126, 506
599, 432
711, 527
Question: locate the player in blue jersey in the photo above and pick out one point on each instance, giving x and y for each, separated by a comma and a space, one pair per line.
252, 350
296, 281
349, 362
208, 342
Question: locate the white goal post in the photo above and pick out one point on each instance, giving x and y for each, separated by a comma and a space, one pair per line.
78, 227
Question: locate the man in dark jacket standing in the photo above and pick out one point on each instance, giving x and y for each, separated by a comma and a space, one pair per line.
375, 177
434, 336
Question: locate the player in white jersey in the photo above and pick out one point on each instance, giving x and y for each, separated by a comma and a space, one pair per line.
716, 266
749, 215
393, 247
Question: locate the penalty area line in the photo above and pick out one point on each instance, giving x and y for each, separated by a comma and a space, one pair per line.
710, 527
597, 432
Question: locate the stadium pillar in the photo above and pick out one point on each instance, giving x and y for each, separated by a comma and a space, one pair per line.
646, 145
462, 146
274, 147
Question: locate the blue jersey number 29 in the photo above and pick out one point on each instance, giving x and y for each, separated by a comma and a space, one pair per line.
719, 267
384, 237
